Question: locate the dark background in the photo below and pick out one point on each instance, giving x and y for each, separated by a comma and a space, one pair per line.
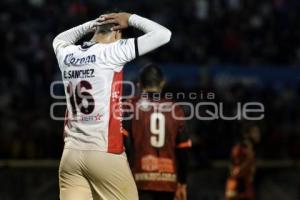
241, 50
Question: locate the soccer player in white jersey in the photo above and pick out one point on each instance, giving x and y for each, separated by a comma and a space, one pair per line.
93, 164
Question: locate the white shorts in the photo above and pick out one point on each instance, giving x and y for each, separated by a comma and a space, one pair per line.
95, 175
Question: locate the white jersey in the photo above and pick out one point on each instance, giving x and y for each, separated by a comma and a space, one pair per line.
92, 76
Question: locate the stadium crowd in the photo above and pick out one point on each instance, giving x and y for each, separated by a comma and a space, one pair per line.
237, 32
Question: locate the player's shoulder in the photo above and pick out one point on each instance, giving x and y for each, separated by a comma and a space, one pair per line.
87, 45
67, 48
240, 146
76, 55
110, 49
64, 52
123, 42
118, 43
176, 105
95, 46
171, 103
239, 143
158, 98
161, 101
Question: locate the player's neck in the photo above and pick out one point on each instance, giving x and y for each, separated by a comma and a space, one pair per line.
105, 39
152, 90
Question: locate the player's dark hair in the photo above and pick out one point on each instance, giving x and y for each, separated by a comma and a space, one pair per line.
104, 29
151, 76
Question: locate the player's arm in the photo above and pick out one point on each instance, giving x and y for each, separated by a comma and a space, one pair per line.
241, 160
71, 36
155, 35
127, 130
183, 145
182, 154
182, 169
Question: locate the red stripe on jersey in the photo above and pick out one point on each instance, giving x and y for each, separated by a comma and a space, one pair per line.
66, 122
115, 135
66, 117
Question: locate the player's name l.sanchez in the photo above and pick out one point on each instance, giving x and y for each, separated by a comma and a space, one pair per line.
82, 73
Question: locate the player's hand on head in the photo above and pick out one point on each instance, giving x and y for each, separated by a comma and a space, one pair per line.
181, 193
120, 19
95, 23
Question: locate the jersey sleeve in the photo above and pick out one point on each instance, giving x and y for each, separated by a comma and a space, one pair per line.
182, 138
155, 35
125, 50
70, 37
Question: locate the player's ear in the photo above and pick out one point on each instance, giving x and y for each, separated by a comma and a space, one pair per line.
118, 34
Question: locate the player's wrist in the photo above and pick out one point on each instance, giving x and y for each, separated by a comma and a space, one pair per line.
134, 19
181, 185
88, 26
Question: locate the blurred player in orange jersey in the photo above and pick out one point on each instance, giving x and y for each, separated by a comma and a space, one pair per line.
159, 141
239, 184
